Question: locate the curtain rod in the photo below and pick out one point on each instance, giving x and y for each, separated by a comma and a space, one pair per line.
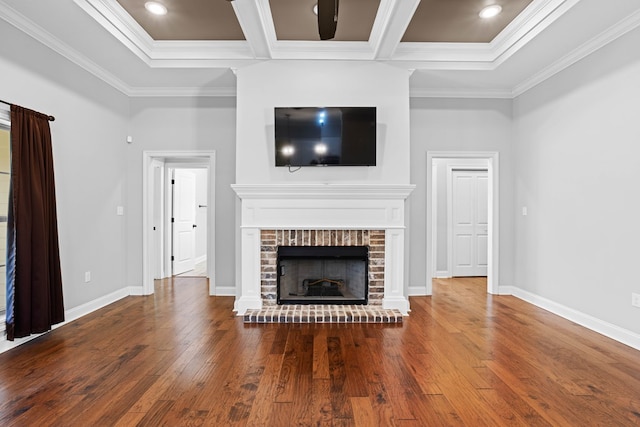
51, 118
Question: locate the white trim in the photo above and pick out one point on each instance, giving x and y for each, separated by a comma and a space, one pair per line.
172, 157
226, 291
607, 329
84, 309
322, 191
442, 274
493, 168
460, 93
5, 116
415, 290
136, 290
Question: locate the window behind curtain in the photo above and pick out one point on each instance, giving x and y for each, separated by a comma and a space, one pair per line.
5, 170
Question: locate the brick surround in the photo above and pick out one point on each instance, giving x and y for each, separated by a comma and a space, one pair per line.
271, 239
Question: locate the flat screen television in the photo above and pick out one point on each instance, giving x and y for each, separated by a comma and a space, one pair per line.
325, 136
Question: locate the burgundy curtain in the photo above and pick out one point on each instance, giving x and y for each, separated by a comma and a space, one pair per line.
34, 281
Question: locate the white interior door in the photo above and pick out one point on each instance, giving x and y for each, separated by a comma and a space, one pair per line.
184, 221
470, 222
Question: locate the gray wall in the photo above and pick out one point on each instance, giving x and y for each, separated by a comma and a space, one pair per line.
173, 124
469, 125
578, 167
88, 148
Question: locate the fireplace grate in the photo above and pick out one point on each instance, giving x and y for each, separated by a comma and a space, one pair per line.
322, 287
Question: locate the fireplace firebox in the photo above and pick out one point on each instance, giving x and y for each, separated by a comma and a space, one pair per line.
322, 275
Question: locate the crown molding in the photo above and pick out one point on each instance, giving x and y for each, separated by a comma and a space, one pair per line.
460, 93
611, 34
190, 92
525, 27
10, 15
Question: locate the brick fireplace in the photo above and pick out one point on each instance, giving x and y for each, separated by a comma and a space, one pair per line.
270, 240
321, 215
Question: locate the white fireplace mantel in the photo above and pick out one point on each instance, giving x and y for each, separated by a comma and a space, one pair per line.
322, 206
320, 191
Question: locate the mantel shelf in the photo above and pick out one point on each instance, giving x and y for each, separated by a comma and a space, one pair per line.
322, 191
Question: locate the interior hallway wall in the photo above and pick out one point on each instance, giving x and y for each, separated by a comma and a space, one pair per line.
578, 169
465, 125
191, 124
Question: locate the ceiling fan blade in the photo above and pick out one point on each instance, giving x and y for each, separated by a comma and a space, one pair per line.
327, 18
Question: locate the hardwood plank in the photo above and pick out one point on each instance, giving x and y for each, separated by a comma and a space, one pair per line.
340, 404
181, 357
321, 411
320, 355
363, 414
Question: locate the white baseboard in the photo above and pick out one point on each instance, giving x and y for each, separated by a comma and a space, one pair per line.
84, 309
225, 291
507, 290
442, 274
136, 290
417, 291
607, 329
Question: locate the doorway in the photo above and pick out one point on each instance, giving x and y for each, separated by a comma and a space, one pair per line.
467, 222
187, 213
195, 205
439, 167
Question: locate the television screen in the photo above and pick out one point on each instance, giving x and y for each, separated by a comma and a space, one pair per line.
331, 136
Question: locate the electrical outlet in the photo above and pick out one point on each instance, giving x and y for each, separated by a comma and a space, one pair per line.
87, 276
635, 300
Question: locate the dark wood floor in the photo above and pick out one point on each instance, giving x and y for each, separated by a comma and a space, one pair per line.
182, 358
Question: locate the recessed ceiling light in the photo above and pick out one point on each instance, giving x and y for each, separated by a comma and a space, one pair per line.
490, 11
155, 8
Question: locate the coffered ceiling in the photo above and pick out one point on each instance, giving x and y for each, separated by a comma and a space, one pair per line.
194, 48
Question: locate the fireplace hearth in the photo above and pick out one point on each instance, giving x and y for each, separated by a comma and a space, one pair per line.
322, 275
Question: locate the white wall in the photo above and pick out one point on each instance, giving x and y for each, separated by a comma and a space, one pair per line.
578, 169
466, 125
88, 150
173, 124
263, 86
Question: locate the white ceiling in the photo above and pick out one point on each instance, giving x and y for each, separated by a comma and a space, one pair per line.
100, 36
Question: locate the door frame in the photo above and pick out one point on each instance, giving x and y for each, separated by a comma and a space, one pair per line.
450, 240
174, 157
493, 170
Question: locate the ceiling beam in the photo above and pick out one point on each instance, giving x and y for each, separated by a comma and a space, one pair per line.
391, 22
254, 19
